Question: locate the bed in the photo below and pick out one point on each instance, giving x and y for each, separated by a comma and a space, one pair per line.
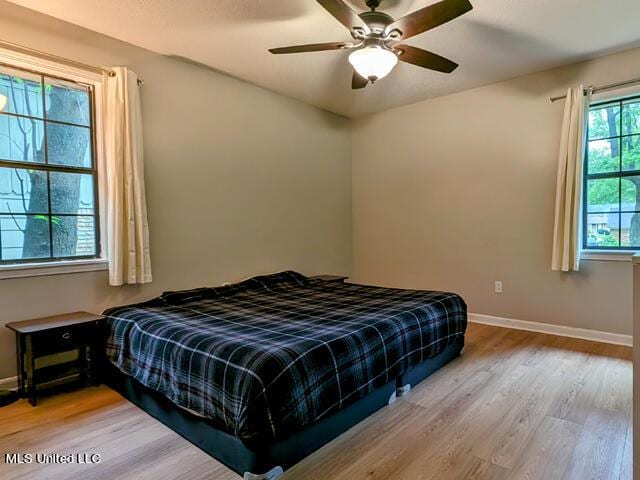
261, 373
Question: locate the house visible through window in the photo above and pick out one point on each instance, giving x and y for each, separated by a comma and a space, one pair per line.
48, 174
611, 218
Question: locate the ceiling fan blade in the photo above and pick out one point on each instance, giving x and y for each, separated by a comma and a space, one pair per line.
425, 59
344, 14
313, 47
428, 18
357, 82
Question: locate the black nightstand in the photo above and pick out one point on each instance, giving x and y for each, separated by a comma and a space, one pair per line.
79, 332
330, 278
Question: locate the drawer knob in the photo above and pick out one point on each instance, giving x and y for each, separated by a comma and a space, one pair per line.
66, 335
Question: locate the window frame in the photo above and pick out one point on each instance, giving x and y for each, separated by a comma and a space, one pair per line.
94, 82
591, 251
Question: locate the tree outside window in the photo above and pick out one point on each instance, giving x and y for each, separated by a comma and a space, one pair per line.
47, 169
611, 218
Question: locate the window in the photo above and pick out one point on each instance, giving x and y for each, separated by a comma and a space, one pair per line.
48, 168
611, 213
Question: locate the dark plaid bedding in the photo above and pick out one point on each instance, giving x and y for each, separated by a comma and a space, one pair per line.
265, 357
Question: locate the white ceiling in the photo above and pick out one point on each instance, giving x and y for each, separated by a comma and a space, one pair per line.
499, 39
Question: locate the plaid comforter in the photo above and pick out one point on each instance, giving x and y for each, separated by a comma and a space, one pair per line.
268, 356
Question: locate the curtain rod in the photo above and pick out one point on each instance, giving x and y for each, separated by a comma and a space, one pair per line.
601, 88
57, 58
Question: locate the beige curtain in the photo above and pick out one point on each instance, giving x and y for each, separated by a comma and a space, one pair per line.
126, 222
566, 228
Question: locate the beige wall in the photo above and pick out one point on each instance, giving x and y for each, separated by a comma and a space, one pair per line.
457, 192
239, 180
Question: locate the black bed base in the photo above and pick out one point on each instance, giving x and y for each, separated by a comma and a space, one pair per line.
260, 458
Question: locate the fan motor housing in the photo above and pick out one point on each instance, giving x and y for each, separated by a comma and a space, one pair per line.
377, 21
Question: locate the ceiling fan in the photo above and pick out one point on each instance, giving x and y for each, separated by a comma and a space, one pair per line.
377, 48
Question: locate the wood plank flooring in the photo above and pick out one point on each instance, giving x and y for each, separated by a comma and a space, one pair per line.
516, 405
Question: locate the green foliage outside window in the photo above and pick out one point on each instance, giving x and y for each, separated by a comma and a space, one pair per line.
613, 175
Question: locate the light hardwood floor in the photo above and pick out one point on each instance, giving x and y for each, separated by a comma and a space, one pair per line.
516, 405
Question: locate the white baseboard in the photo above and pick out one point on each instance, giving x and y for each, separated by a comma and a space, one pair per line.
562, 330
9, 383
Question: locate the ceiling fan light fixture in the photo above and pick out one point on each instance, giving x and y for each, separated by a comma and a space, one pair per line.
373, 62
3, 102
377, 49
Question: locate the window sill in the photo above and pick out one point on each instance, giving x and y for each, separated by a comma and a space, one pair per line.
607, 255
57, 268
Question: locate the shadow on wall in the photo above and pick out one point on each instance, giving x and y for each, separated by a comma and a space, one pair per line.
328, 118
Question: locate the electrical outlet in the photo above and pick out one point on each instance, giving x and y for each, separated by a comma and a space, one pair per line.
498, 286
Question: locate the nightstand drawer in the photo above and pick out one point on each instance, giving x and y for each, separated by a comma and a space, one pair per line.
62, 339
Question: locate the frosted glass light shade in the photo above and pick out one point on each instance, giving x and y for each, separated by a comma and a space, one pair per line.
3, 102
373, 63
